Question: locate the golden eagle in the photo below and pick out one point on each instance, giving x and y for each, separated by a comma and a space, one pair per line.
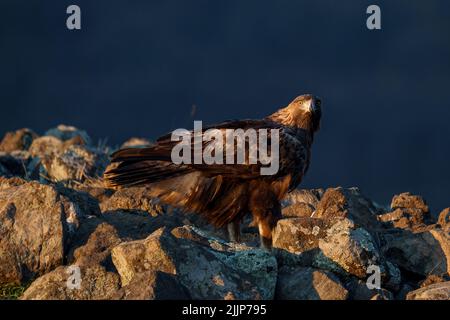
222, 192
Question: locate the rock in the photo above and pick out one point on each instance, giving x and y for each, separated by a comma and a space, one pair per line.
3, 171
153, 285
76, 163
136, 225
334, 245
409, 212
19, 163
348, 250
36, 224
70, 159
47, 146
437, 291
65, 133
339, 203
385, 295
97, 250
135, 198
136, 143
444, 219
298, 235
309, 284
91, 252
403, 292
431, 279
82, 201
207, 272
97, 235
352, 248
134, 257
96, 189
298, 210
408, 201
301, 203
443, 237
391, 216
422, 253
12, 166
187, 232
393, 279
17, 140
61, 284
358, 290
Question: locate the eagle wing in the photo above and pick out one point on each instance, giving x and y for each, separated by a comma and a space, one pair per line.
148, 165
218, 191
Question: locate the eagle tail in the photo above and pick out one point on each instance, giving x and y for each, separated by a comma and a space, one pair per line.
139, 166
219, 200
156, 153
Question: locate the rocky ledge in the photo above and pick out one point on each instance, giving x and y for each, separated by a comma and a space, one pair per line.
64, 236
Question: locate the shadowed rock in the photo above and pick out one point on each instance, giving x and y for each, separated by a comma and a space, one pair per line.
153, 285
309, 284
426, 252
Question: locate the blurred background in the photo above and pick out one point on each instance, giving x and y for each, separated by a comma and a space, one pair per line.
137, 68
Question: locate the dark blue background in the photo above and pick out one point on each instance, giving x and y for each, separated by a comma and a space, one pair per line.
137, 67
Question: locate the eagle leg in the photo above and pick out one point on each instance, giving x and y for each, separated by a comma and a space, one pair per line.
266, 243
265, 235
266, 213
234, 231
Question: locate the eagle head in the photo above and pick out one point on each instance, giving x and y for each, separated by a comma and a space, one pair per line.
303, 112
